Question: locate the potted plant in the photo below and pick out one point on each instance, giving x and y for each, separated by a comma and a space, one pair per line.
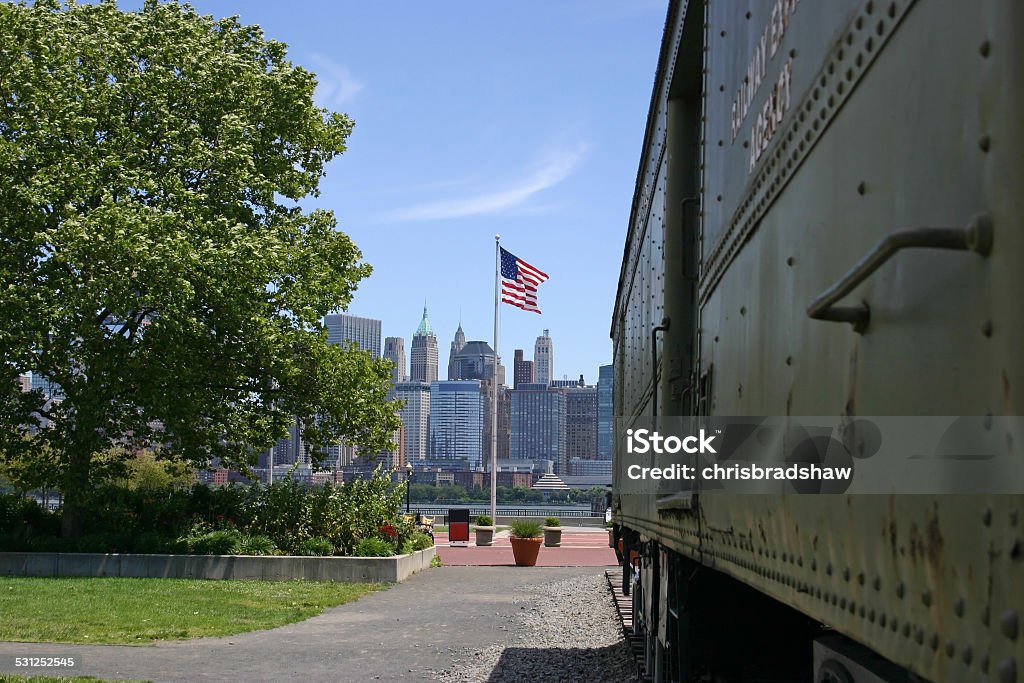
552, 532
526, 540
484, 530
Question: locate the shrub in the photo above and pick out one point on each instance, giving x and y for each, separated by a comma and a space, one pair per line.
374, 547
109, 542
484, 520
256, 545
315, 547
522, 528
223, 542
420, 541
552, 521
150, 542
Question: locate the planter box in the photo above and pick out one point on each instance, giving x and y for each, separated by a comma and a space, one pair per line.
553, 536
485, 535
263, 567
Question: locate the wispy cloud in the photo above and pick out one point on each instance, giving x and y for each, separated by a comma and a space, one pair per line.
552, 170
336, 86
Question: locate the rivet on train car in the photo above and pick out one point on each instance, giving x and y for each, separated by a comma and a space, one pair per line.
846, 574
814, 565
901, 589
871, 616
877, 583
860, 578
967, 655
1008, 671
743, 310
792, 53
958, 607
790, 261
861, 188
985, 143
919, 635
722, 34
933, 642
986, 517
828, 569
926, 598
1009, 624
950, 648
718, 198
984, 663
746, 143
748, 15
986, 48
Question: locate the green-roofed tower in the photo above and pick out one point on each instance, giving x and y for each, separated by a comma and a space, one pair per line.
423, 355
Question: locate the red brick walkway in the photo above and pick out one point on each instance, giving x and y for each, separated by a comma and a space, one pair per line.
580, 548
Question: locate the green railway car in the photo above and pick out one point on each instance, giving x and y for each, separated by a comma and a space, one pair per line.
828, 220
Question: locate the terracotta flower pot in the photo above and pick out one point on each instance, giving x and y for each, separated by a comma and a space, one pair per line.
525, 550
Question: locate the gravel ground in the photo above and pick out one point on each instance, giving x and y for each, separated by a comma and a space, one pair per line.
560, 632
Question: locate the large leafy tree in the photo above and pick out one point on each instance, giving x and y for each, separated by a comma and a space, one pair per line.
155, 264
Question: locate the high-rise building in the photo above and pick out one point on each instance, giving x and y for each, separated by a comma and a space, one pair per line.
581, 422
394, 351
605, 415
292, 448
537, 416
343, 328
457, 421
423, 355
522, 370
415, 416
475, 360
24, 383
457, 344
543, 360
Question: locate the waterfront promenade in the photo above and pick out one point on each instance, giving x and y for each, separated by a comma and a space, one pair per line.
581, 547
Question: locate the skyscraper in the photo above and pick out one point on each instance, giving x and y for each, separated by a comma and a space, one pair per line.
343, 328
457, 344
457, 421
522, 370
415, 416
423, 355
581, 422
475, 360
543, 360
537, 417
394, 351
605, 415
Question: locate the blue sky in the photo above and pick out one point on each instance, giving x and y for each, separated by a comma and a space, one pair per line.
473, 119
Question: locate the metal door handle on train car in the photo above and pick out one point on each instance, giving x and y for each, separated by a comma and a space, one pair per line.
976, 237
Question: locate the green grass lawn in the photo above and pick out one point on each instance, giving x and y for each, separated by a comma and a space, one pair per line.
140, 611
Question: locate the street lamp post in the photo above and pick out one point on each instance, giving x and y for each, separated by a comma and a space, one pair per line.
408, 484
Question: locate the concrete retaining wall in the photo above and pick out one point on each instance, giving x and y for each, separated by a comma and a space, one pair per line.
265, 567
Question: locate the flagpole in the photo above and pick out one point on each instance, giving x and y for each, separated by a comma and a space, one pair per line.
494, 382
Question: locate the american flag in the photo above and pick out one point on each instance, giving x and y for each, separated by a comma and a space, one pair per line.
519, 282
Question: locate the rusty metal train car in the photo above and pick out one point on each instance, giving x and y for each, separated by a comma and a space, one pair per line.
828, 220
